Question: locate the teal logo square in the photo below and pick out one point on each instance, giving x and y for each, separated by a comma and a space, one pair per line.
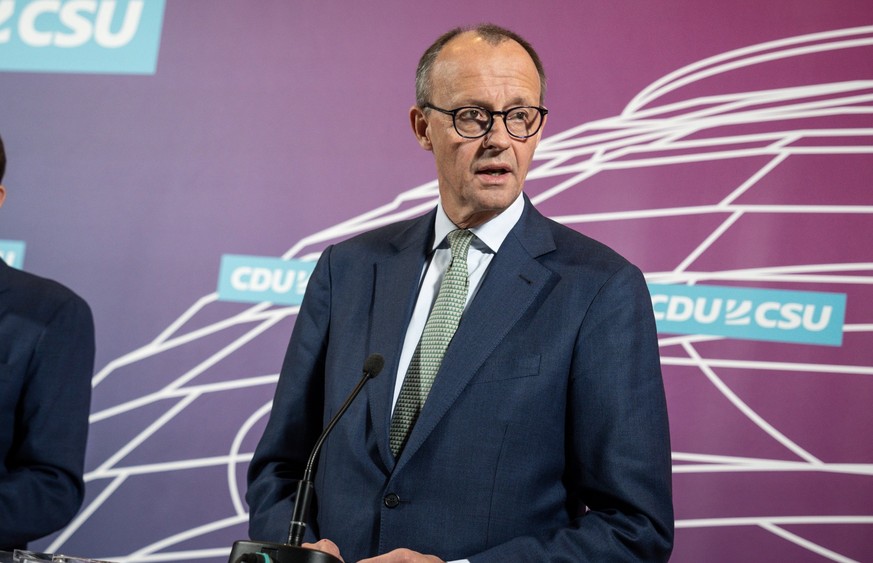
82, 36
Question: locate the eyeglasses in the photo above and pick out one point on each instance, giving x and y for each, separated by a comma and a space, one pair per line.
472, 122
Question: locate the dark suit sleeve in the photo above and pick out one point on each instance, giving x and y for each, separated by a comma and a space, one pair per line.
296, 417
618, 448
43, 487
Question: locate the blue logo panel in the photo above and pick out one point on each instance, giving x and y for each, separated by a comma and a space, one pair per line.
805, 317
254, 279
94, 36
12, 252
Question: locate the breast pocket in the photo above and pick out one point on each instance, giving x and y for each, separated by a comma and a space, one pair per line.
509, 367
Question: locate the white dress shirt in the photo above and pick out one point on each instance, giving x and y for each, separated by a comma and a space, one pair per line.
486, 242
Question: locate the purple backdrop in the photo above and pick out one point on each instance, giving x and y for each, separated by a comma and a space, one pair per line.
273, 128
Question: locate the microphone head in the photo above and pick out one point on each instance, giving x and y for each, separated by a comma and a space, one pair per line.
374, 364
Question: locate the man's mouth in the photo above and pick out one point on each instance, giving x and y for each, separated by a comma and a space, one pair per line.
494, 170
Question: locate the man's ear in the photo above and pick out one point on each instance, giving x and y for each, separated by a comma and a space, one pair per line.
2, 194
419, 127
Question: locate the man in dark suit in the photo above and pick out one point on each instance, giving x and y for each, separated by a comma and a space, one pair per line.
46, 363
544, 434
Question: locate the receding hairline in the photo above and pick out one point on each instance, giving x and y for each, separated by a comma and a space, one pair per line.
493, 34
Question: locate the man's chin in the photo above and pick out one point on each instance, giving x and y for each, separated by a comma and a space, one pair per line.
483, 211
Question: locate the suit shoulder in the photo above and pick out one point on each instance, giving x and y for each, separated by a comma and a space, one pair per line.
37, 296
386, 239
573, 246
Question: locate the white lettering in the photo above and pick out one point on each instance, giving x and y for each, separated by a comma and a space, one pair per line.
27, 22
7, 8
78, 22
302, 281
260, 279
680, 308
699, 311
761, 314
102, 33
236, 278
658, 300
73, 19
790, 315
282, 283
823, 321
246, 278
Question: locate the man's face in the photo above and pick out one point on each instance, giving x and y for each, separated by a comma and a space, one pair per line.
478, 178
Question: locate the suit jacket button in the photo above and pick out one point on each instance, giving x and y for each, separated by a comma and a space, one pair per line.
391, 500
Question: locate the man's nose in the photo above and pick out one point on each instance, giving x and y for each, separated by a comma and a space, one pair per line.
498, 136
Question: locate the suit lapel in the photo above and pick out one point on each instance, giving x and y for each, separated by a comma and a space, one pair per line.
5, 283
513, 281
5, 271
4, 275
395, 288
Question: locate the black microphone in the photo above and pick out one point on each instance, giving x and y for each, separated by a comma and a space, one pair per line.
253, 551
372, 366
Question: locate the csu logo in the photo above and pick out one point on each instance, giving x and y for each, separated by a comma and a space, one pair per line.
754, 314
102, 36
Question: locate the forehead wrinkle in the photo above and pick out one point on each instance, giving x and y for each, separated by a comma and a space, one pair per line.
486, 103
478, 88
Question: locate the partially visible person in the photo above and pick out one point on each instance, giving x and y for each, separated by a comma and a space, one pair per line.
46, 363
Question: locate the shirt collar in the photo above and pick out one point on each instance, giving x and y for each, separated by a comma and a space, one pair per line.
492, 233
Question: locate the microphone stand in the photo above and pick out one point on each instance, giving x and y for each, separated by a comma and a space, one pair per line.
246, 551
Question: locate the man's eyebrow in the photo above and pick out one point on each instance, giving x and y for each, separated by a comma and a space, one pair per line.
513, 103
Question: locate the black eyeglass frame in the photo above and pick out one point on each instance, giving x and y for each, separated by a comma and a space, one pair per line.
543, 112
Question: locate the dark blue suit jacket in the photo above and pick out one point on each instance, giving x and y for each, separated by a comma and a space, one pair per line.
46, 363
544, 437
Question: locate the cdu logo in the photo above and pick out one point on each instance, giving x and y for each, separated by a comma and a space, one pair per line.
806, 317
255, 279
12, 252
93, 36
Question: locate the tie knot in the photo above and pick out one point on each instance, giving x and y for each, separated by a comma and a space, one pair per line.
459, 241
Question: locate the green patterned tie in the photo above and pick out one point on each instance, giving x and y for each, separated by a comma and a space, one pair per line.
438, 332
